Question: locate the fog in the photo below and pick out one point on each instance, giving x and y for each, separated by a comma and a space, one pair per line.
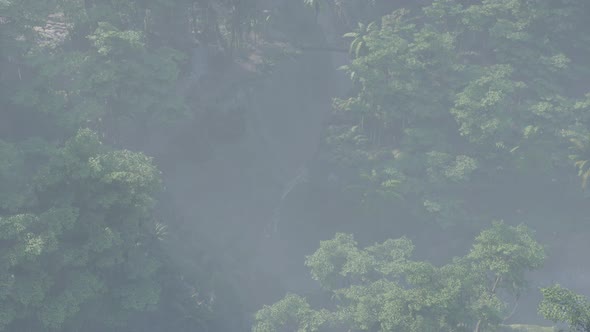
196, 165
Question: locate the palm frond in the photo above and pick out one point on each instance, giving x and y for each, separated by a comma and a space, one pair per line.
358, 43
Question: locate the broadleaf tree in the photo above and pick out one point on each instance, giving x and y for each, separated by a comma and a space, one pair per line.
562, 305
381, 288
80, 245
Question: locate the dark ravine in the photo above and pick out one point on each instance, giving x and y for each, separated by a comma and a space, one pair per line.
233, 190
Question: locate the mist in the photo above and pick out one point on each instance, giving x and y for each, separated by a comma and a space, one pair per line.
294, 165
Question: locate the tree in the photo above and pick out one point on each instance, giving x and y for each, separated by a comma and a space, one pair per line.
114, 79
80, 246
487, 84
505, 253
562, 305
380, 288
292, 313
357, 45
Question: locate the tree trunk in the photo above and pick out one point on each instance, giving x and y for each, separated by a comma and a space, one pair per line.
493, 291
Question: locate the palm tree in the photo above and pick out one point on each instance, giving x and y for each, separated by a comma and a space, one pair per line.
358, 43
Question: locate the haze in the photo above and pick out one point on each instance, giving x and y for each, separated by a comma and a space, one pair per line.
294, 165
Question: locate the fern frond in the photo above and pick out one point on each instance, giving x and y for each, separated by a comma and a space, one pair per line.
160, 231
350, 35
581, 165
359, 47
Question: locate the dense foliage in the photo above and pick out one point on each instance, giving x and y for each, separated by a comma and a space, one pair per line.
114, 115
380, 288
80, 242
453, 97
76, 234
562, 305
